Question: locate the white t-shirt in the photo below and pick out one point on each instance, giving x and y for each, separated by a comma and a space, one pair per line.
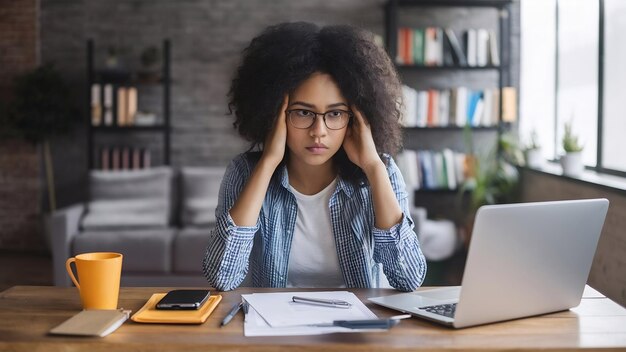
313, 261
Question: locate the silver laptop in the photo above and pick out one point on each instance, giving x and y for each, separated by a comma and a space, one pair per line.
524, 259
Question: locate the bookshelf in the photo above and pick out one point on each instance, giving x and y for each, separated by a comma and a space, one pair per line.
433, 76
448, 73
105, 85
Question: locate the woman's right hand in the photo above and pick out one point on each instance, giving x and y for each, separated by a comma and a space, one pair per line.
276, 140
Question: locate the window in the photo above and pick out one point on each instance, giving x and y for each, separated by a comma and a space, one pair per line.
614, 114
538, 69
563, 79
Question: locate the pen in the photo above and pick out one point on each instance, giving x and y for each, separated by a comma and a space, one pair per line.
335, 303
232, 313
367, 323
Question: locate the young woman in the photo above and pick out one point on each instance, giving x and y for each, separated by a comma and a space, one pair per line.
321, 203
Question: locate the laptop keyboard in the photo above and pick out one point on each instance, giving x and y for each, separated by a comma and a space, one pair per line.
447, 310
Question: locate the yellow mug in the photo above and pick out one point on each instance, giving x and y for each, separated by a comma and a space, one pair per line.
98, 278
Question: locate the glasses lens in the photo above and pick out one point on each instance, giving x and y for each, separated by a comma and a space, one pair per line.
336, 120
301, 118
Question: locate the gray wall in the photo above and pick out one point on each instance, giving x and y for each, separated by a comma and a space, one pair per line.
207, 38
609, 264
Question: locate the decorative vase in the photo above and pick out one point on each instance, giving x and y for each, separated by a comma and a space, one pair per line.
534, 158
572, 164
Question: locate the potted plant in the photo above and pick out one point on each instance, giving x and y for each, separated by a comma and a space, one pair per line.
532, 152
42, 107
571, 161
492, 179
150, 59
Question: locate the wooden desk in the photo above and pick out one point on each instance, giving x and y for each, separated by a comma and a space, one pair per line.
27, 313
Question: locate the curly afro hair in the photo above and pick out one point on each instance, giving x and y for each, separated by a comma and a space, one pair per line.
284, 55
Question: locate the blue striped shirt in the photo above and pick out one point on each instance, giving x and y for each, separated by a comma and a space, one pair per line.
264, 249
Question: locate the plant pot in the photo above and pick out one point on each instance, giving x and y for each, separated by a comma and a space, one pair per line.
572, 164
534, 158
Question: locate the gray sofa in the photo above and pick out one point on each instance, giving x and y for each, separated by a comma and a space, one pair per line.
159, 219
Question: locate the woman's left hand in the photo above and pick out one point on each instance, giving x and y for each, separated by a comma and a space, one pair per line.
359, 143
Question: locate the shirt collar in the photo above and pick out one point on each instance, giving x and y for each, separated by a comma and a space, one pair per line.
342, 184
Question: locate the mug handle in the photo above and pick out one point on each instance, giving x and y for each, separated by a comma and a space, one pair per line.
69, 271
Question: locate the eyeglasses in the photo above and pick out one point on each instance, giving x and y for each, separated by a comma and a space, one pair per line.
333, 119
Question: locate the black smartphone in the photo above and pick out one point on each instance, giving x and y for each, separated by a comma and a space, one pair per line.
183, 299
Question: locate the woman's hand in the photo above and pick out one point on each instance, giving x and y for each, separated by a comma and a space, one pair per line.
276, 140
359, 143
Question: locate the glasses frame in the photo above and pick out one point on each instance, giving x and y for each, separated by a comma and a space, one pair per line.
323, 114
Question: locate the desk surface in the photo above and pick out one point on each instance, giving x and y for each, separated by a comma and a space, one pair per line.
27, 313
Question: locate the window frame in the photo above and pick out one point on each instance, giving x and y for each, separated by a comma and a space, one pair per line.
599, 167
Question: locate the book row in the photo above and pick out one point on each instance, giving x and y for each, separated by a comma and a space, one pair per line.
459, 106
434, 170
115, 158
434, 46
113, 105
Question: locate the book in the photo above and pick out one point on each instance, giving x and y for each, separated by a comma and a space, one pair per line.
104, 159
432, 119
400, 47
461, 106
457, 50
131, 101
108, 104
408, 46
494, 56
115, 159
122, 107
96, 105
509, 104
482, 47
136, 159
470, 47
448, 52
444, 108
92, 323
422, 108
418, 46
430, 46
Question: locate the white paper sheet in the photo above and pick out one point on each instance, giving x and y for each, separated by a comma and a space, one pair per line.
275, 314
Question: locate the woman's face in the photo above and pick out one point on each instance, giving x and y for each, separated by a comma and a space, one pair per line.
315, 145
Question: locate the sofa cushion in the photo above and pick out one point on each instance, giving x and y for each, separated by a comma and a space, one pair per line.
189, 248
129, 199
143, 250
200, 190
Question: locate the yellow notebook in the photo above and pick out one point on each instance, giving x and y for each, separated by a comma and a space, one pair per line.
149, 314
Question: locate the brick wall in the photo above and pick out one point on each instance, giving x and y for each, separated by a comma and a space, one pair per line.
18, 40
609, 263
20, 226
19, 161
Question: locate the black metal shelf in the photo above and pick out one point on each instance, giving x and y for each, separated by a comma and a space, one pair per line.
443, 68
451, 128
134, 128
438, 191
135, 78
456, 3
128, 77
